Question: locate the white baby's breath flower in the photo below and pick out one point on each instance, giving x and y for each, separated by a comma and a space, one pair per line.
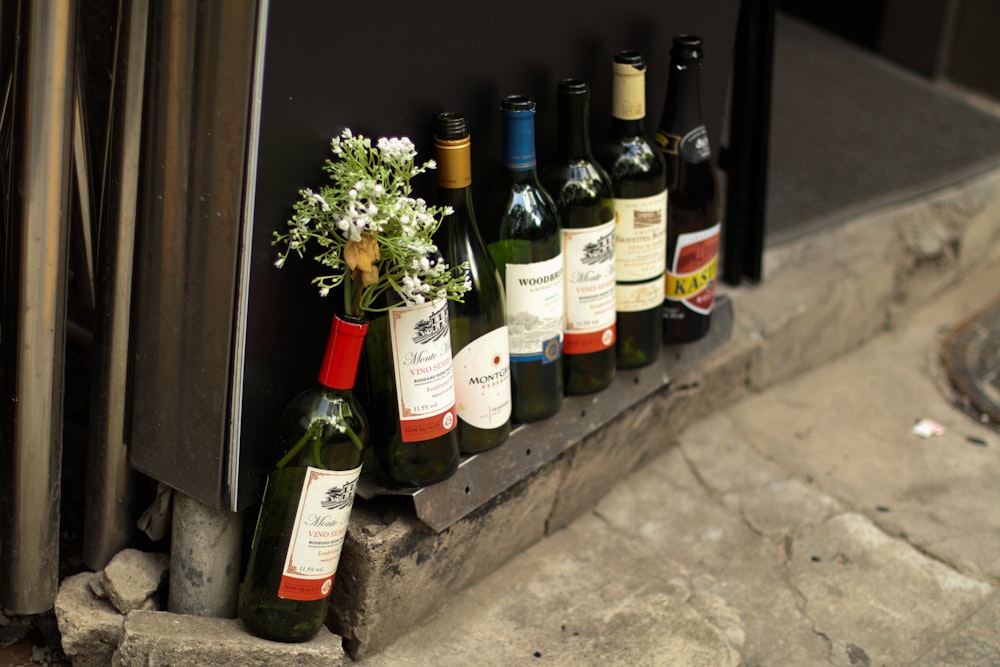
368, 202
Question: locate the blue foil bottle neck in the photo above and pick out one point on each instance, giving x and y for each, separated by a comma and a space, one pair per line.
518, 133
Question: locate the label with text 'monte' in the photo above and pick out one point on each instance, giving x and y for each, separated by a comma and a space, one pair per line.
318, 533
422, 363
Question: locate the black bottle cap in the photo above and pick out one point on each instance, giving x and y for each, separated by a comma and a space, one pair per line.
450, 125
630, 57
687, 47
517, 103
572, 87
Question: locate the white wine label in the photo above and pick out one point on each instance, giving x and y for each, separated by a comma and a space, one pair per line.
635, 297
590, 288
318, 533
482, 380
535, 307
640, 238
421, 361
691, 275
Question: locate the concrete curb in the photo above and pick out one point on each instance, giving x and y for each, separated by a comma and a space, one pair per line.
821, 297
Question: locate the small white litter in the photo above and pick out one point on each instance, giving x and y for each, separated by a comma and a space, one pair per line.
927, 428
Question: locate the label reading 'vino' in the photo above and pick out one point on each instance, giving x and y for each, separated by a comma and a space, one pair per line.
318, 533
421, 362
590, 288
482, 380
535, 310
690, 278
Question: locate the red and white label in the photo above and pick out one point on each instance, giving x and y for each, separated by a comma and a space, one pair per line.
422, 363
691, 275
590, 288
318, 533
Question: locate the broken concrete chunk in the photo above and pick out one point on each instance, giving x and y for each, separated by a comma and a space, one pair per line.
132, 576
89, 626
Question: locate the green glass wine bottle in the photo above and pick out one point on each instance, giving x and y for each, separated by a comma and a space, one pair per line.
582, 193
412, 386
308, 498
639, 181
478, 324
529, 257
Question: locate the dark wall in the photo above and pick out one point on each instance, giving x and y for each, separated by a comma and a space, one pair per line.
387, 70
858, 21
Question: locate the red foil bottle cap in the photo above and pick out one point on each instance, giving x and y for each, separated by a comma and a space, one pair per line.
343, 352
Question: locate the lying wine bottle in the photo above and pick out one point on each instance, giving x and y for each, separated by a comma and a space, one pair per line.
529, 256
478, 323
308, 498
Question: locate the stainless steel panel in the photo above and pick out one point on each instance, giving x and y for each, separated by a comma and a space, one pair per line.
34, 356
110, 501
188, 241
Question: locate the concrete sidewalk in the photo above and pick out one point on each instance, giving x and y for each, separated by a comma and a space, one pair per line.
803, 524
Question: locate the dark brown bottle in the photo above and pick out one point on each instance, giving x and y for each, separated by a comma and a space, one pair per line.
693, 223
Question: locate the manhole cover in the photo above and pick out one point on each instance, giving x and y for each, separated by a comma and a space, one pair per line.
971, 358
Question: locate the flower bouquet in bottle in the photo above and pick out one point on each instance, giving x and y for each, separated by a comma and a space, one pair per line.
372, 240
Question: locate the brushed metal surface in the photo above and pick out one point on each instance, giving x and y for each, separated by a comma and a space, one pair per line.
188, 241
30, 472
110, 493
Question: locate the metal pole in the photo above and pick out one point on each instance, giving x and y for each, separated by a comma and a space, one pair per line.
110, 512
35, 315
746, 160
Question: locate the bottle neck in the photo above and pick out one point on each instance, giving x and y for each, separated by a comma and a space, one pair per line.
454, 172
573, 141
628, 94
682, 110
519, 160
343, 352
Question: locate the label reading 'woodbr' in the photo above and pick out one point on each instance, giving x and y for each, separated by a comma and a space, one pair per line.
535, 310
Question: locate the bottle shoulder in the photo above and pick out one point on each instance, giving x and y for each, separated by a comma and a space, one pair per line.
577, 181
318, 421
627, 158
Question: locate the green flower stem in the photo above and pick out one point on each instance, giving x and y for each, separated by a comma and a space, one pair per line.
315, 434
314, 430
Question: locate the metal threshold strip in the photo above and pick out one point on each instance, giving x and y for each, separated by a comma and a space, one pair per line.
484, 476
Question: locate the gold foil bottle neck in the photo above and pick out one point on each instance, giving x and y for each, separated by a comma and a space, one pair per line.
628, 92
454, 163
